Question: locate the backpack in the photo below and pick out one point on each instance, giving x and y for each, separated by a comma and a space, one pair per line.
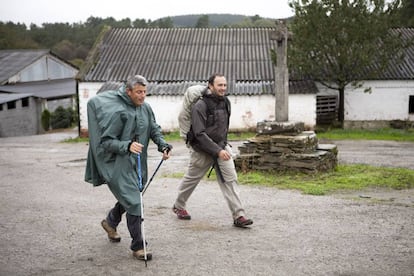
191, 96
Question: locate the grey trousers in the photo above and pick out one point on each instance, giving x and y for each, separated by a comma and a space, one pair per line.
198, 166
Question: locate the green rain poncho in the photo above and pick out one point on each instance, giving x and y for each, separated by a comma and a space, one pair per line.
113, 122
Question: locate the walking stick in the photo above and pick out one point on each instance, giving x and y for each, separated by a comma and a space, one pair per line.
140, 187
156, 170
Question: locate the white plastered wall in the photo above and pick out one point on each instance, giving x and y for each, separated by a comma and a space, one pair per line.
245, 113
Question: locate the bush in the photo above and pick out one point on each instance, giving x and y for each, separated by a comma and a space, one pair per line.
62, 118
46, 119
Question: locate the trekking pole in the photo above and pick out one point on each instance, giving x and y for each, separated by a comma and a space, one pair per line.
156, 170
142, 206
146, 185
211, 169
218, 170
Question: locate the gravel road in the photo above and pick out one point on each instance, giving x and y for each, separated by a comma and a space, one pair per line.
50, 220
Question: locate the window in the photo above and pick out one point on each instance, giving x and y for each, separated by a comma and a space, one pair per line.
25, 102
1, 107
11, 105
411, 105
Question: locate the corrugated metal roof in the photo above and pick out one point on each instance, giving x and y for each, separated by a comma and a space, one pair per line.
13, 61
236, 88
405, 69
44, 89
184, 54
6, 97
174, 59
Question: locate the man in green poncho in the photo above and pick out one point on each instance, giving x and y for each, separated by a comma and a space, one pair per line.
120, 125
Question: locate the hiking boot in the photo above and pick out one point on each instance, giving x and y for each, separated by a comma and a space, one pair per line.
140, 255
181, 213
113, 236
242, 222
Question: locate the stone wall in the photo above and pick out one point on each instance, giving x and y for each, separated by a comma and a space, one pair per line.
286, 147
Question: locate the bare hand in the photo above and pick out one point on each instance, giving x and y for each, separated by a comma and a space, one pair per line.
136, 147
166, 154
224, 155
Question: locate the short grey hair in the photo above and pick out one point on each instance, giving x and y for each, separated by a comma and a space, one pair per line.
134, 80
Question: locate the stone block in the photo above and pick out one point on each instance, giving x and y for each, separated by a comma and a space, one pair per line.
273, 127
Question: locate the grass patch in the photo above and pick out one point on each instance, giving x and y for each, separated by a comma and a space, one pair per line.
172, 136
232, 136
76, 140
175, 175
240, 136
210, 176
391, 134
344, 178
175, 136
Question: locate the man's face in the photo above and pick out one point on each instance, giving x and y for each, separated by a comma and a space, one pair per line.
137, 94
219, 86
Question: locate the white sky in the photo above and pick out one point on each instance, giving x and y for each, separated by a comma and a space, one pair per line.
77, 11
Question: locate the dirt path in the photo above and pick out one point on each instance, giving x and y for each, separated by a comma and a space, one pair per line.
50, 221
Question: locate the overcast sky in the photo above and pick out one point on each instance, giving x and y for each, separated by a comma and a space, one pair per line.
76, 11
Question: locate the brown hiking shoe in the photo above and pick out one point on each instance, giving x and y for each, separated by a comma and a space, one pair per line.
113, 236
181, 213
140, 254
242, 222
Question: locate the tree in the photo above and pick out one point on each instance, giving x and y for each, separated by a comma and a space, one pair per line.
124, 23
203, 21
65, 49
255, 18
251, 22
166, 23
140, 23
406, 13
342, 42
14, 36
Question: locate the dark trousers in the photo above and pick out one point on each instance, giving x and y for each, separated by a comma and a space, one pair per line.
133, 222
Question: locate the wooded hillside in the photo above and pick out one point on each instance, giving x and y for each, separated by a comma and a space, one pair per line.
72, 41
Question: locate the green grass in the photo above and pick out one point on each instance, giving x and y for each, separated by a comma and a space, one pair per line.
240, 136
343, 178
401, 135
175, 136
172, 136
390, 134
76, 140
234, 136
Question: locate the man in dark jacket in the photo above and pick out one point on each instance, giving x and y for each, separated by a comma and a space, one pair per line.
120, 125
210, 118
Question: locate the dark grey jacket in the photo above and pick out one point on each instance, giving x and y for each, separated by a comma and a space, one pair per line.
210, 119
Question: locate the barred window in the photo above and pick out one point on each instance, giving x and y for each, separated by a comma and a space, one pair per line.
25, 102
11, 105
411, 104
